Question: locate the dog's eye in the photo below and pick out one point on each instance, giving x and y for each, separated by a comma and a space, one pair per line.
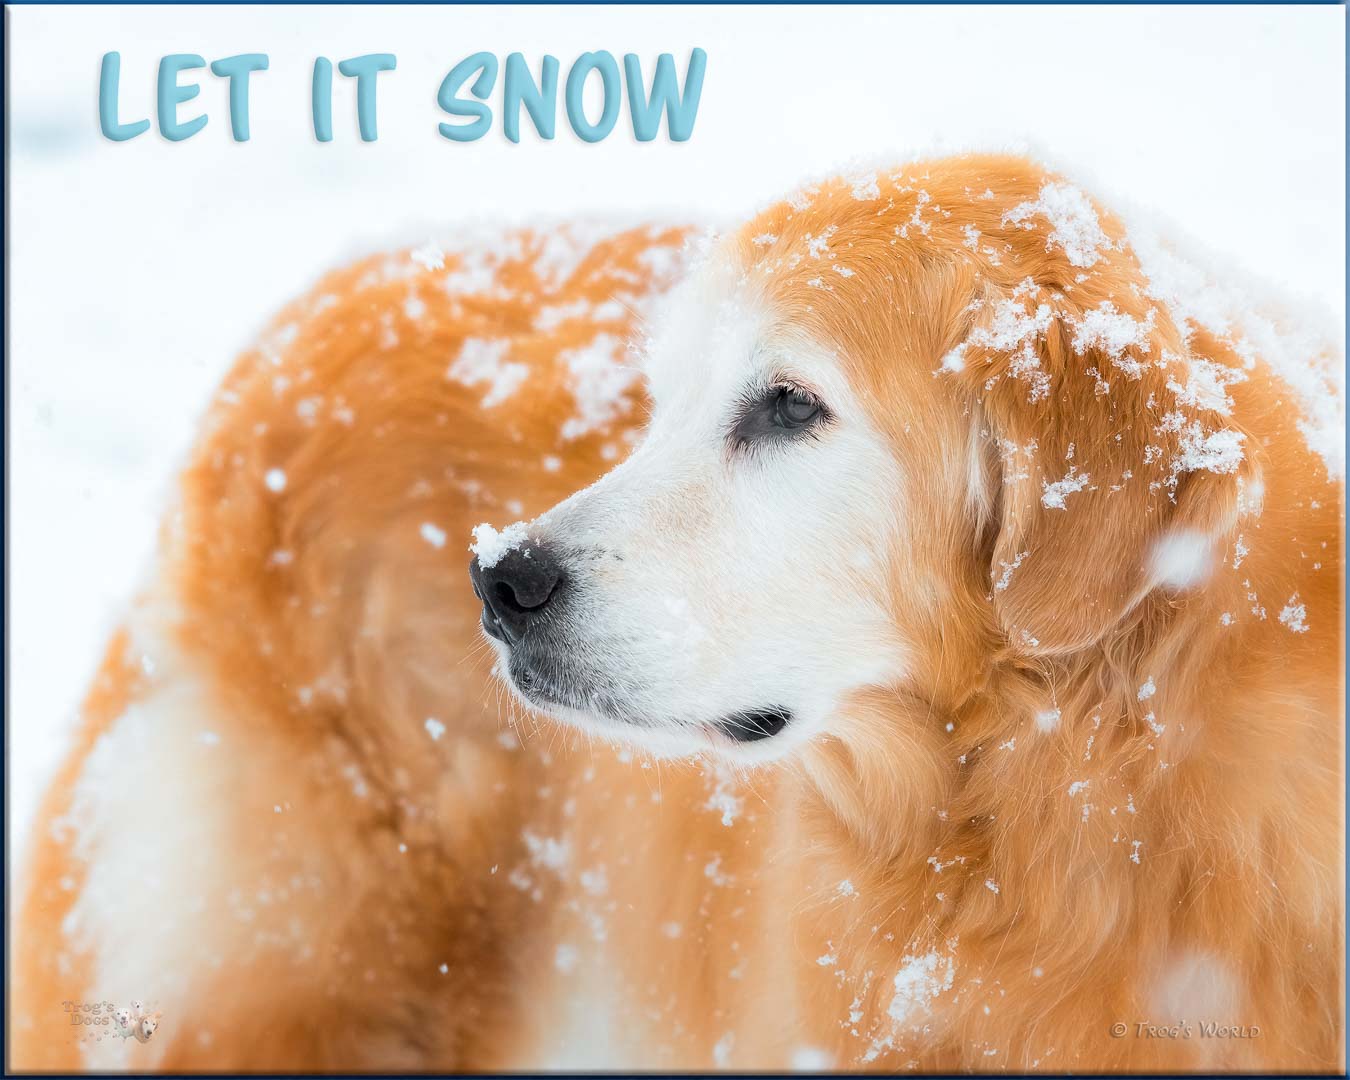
794, 409
775, 413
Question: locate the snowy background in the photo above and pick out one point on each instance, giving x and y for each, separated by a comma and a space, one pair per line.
137, 270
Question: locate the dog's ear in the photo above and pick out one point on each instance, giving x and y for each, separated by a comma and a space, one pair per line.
1105, 435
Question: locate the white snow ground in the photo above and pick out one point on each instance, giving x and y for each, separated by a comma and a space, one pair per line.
136, 270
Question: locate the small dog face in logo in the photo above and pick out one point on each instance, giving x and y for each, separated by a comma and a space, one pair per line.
133, 1022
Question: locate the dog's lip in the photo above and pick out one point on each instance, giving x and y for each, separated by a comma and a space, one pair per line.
530, 685
536, 687
741, 727
754, 725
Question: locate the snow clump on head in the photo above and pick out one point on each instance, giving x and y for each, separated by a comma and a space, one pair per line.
1073, 222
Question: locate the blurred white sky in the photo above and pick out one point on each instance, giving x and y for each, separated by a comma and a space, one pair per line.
138, 269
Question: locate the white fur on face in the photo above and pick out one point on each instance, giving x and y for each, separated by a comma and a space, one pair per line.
707, 580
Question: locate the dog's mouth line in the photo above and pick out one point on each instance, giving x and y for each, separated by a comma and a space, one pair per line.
754, 725
741, 726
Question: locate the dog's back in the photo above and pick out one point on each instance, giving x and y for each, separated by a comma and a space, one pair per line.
286, 807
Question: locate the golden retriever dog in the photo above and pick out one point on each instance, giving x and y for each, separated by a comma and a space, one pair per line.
923, 653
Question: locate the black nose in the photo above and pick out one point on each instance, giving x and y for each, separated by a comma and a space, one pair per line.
516, 589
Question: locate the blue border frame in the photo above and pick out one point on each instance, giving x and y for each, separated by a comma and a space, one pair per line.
4, 285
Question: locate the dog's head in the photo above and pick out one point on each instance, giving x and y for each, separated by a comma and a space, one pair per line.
902, 425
